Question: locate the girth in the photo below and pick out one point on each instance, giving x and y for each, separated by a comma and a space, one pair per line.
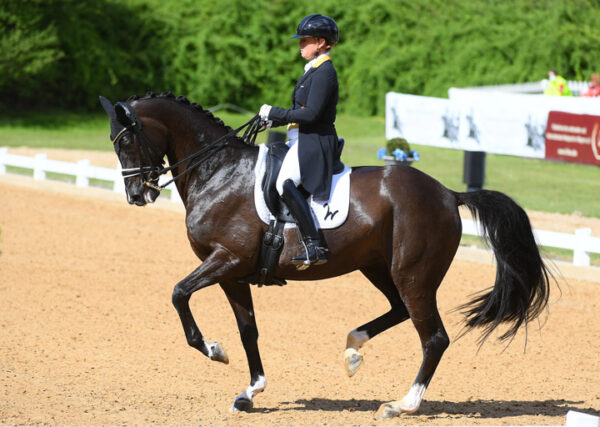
270, 251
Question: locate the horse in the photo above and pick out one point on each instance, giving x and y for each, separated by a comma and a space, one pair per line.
402, 232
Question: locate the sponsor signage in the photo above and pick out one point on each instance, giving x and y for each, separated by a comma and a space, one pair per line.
573, 137
497, 122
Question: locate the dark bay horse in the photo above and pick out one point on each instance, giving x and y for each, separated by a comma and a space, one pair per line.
402, 233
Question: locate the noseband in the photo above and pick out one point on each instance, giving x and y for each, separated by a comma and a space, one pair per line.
150, 174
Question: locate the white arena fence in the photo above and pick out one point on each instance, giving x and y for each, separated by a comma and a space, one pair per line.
581, 242
82, 170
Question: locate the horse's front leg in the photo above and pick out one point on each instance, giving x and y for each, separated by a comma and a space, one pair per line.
240, 298
216, 266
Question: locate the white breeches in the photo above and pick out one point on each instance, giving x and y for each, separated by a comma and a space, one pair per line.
290, 168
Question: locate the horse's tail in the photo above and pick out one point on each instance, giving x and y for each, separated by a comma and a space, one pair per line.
522, 285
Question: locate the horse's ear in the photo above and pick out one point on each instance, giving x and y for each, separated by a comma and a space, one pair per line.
121, 113
127, 116
108, 107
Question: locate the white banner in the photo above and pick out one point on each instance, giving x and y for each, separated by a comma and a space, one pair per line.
478, 120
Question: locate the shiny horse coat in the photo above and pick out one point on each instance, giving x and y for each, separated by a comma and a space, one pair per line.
402, 233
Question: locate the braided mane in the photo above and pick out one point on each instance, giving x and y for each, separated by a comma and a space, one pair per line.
183, 100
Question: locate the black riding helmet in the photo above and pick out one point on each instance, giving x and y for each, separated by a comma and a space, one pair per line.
320, 26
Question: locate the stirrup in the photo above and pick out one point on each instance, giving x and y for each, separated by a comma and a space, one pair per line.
313, 255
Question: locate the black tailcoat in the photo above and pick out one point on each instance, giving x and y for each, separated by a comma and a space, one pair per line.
314, 103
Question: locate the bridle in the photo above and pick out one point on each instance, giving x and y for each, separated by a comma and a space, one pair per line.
151, 174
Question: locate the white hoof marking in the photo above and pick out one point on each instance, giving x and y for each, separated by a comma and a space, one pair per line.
356, 339
408, 405
217, 353
258, 387
245, 401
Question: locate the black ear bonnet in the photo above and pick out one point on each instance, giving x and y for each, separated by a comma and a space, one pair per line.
115, 126
127, 116
121, 116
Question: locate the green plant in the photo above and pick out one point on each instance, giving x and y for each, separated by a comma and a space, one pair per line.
395, 144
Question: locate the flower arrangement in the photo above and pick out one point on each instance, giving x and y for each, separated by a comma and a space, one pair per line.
397, 150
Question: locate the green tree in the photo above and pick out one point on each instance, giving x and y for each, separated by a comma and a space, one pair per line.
64, 53
27, 46
80, 49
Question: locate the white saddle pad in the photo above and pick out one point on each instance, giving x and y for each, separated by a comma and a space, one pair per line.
330, 214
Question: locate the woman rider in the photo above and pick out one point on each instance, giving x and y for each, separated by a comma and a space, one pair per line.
314, 154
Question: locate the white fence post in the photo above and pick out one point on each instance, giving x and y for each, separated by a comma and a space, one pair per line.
39, 171
119, 182
580, 256
3, 153
82, 178
174, 193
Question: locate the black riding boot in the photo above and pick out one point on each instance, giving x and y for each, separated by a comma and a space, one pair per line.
314, 252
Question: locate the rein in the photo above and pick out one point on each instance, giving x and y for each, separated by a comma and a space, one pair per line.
253, 128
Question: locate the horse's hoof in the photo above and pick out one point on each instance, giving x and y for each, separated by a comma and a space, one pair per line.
217, 353
242, 404
352, 361
387, 411
395, 409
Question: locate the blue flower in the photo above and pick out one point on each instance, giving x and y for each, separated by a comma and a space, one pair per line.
399, 154
381, 152
414, 155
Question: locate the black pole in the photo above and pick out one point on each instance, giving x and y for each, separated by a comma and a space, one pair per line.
474, 170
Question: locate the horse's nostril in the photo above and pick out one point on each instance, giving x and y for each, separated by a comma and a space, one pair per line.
137, 199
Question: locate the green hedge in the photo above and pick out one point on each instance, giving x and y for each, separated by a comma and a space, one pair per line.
64, 53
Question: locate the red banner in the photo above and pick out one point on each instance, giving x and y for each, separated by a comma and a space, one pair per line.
573, 137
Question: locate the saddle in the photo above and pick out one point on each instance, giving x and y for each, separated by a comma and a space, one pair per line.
276, 152
272, 210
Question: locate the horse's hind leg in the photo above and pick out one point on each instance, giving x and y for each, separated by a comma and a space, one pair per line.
419, 297
240, 298
380, 277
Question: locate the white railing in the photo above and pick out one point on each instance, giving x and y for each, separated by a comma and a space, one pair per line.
576, 87
82, 170
581, 243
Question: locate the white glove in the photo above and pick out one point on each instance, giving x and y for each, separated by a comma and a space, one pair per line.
264, 112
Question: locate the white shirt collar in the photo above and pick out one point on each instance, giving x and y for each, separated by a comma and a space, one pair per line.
309, 64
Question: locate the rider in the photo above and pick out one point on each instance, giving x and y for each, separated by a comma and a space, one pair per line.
314, 154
